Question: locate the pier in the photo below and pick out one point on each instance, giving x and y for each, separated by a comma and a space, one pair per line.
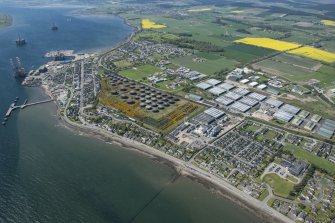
13, 107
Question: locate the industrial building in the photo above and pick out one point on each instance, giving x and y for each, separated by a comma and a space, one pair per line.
240, 107
274, 103
241, 91
249, 101
214, 112
213, 82
224, 101
290, 109
204, 86
217, 91
226, 86
283, 116
232, 95
256, 96
327, 129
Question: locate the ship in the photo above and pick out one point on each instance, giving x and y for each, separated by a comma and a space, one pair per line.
20, 41
18, 70
54, 27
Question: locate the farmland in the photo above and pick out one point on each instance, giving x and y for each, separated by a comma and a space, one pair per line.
269, 43
140, 72
315, 54
208, 67
148, 24
328, 22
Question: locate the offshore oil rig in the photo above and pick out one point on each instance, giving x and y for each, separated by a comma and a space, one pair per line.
18, 70
20, 41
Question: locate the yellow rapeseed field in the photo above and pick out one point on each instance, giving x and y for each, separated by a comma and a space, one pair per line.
328, 22
199, 10
237, 11
147, 24
315, 54
268, 43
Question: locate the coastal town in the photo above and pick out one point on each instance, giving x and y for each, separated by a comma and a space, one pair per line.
240, 120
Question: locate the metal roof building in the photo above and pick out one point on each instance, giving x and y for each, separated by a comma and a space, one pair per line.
238, 106
283, 116
226, 86
213, 82
274, 103
297, 121
214, 112
310, 126
316, 118
204, 118
253, 84
216, 91
232, 95
204, 86
224, 100
303, 114
244, 81
256, 96
326, 133
290, 109
249, 101
241, 91
262, 86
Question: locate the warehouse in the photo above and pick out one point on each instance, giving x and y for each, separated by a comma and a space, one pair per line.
262, 86
204, 86
283, 116
310, 126
241, 91
217, 91
303, 114
326, 133
297, 121
244, 81
232, 96
274, 103
249, 101
316, 118
256, 96
253, 84
204, 119
216, 113
290, 109
224, 101
240, 107
226, 86
213, 82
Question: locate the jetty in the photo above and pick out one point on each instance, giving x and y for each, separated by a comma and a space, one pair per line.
13, 106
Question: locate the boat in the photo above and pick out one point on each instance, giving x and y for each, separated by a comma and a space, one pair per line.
54, 27
20, 41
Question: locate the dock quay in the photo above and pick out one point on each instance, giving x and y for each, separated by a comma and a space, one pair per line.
13, 106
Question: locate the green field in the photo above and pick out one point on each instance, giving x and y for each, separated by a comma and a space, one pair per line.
280, 186
208, 67
140, 72
122, 64
282, 69
302, 154
245, 53
296, 60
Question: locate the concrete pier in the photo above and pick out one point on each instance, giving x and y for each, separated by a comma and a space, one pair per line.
13, 106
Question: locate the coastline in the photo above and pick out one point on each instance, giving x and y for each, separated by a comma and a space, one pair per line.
210, 182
